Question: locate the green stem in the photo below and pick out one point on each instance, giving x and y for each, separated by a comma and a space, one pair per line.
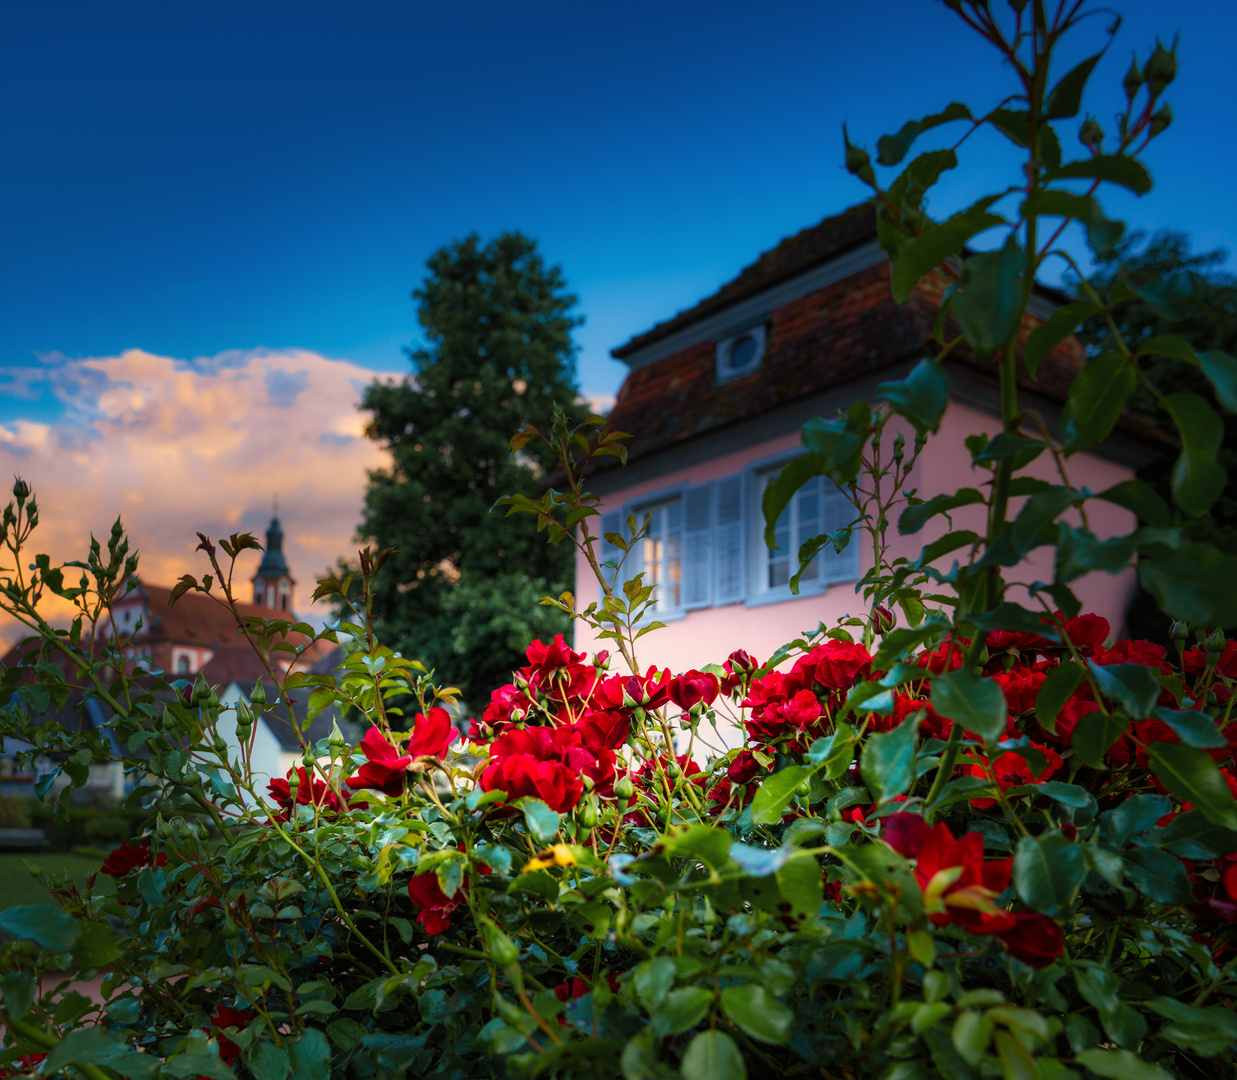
944, 770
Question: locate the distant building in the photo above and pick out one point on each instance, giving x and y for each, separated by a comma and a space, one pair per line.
198, 636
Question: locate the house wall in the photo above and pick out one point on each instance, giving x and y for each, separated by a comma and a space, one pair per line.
710, 634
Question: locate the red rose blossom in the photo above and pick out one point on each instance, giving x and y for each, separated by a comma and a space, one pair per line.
694, 688
541, 762
1034, 939
968, 900
129, 857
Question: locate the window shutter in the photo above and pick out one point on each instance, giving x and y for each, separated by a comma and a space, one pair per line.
698, 546
837, 513
729, 579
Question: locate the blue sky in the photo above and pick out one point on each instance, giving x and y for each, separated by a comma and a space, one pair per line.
190, 179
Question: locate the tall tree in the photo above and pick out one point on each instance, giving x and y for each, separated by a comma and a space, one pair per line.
460, 594
1201, 306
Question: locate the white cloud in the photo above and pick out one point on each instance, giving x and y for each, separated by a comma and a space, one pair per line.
179, 446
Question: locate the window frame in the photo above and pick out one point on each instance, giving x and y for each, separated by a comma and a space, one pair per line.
759, 592
760, 332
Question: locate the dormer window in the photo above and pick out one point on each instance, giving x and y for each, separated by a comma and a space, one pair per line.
740, 354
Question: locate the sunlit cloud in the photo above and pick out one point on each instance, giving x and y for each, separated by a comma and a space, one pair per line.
177, 446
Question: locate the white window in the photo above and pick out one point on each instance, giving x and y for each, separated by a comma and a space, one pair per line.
817, 507
661, 553
740, 354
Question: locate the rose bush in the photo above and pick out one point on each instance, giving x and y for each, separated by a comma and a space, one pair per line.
968, 834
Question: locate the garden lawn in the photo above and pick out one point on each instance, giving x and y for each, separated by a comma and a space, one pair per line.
18, 885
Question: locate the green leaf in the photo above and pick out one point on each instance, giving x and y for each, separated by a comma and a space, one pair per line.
1048, 872
888, 761
1193, 728
988, 301
834, 753
781, 489
1192, 836
1065, 99
1096, 398
1221, 369
653, 980
705, 843
712, 1055
1137, 814
758, 1013
970, 1036
1055, 691
1193, 777
1113, 168
1080, 551
921, 397
799, 885
1197, 583
42, 924
541, 821
1132, 686
913, 518
682, 1010
976, 703
309, 1056
938, 243
96, 947
1094, 736
1197, 480
19, 993
1159, 876
268, 1061
836, 441
776, 791
1174, 297
891, 149
199, 1063
1173, 345
1120, 1065
1052, 331
1140, 498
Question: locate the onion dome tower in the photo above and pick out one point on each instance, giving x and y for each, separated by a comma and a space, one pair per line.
272, 584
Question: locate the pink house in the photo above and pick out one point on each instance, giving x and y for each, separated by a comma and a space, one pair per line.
715, 397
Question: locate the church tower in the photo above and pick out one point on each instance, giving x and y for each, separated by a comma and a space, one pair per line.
272, 584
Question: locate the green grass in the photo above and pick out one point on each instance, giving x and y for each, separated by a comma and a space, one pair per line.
18, 885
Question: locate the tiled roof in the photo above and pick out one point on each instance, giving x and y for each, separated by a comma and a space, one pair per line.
195, 618
834, 336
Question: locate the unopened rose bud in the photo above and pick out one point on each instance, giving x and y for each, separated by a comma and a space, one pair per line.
1090, 134
1133, 78
588, 813
336, 740
1179, 631
258, 695
1161, 68
21, 490
899, 446
883, 620
624, 788
1160, 119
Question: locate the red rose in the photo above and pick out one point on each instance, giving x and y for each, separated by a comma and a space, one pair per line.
968, 900
540, 762
1087, 633
431, 735
693, 688
947, 656
836, 665
129, 857
603, 729
1067, 719
386, 770
1135, 652
226, 1017
744, 768
1020, 686
311, 791
1034, 939
906, 834
436, 906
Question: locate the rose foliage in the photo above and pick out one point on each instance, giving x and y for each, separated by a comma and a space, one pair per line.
972, 833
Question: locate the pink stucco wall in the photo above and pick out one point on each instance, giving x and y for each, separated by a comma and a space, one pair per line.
709, 635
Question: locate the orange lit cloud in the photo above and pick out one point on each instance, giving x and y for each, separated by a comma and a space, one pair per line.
180, 446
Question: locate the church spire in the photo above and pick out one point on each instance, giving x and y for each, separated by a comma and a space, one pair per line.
272, 584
